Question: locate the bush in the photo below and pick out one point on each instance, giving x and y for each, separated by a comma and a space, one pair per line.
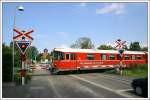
18, 78
140, 70
136, 70
7, 64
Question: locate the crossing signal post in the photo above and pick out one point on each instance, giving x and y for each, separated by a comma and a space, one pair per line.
120, 46
23, 46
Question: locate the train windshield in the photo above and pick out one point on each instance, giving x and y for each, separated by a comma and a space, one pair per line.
58, 55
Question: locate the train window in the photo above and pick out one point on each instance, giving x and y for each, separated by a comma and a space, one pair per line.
133, 57
126, 57
58, 55
55, 55
111, 57
103, 56
138, 57
61, 56
73, 57
67, 56
90, 56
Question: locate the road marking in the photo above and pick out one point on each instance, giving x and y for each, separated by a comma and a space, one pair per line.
117, 79
53, 88
36, 87
95, 84
102, 86
124, 90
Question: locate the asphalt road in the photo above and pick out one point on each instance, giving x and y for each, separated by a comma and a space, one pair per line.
87, 85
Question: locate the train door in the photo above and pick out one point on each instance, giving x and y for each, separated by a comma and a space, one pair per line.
73, 61
68, 63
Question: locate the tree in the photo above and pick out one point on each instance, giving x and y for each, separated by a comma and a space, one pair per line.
83, 43
106, 47
144, 49
48, 57
135, 46
126, 47
39, 57
17, 54
6, 63
32, 52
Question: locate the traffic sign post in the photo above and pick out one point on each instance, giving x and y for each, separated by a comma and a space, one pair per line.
23, 46
120, 46
23, 70
23, 80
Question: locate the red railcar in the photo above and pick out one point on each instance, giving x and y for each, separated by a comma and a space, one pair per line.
65, 59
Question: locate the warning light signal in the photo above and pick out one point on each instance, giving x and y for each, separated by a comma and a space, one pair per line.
23, 45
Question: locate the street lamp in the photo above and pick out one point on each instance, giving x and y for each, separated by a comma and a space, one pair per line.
19, 8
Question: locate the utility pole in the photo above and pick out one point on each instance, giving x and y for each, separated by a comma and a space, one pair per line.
19, 8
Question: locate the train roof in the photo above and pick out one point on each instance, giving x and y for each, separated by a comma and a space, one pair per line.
95, 51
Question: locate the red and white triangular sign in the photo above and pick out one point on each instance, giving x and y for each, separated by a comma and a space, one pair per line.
23, 45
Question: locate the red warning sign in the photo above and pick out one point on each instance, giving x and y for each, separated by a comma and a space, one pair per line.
23, 45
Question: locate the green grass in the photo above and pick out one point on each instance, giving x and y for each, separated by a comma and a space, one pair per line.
18, 78
138, 71
134, 71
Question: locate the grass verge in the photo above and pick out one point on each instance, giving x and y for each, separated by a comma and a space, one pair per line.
140, 70
18, 78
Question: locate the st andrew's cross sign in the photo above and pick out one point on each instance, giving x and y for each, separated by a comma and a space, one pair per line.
120, 45
21, 34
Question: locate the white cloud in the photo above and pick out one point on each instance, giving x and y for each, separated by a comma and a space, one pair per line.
144, 44
62, 34
117, 8
63, 46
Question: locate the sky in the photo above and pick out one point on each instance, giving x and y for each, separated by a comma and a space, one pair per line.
61, 24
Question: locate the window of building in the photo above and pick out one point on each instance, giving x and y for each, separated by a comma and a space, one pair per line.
133, 57
73, 57
90, 56
103, 56
111, 57
126, 57
67, 56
